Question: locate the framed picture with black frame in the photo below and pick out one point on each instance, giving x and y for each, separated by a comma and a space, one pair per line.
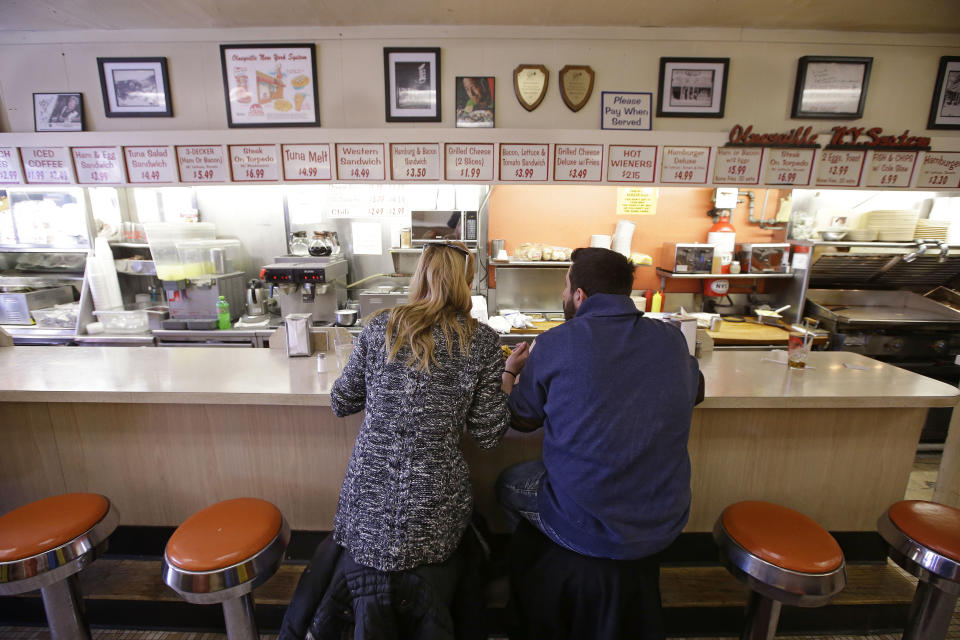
135, 87
57, 112
945, 107
833, 87
692, 87
411, 82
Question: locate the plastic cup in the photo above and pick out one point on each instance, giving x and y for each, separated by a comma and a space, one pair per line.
798, 348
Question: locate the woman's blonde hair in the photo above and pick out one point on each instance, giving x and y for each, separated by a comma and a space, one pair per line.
439, 293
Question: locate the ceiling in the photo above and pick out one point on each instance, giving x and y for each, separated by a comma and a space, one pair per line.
899, 16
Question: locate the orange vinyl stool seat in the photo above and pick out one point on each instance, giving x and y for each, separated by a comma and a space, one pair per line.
924, 539
783, 556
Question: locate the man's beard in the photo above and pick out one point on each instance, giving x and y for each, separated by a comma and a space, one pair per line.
569, 310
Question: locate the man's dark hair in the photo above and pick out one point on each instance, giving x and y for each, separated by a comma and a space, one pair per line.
598, 270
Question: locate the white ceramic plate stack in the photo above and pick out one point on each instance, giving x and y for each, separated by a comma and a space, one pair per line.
892, 226
932, 229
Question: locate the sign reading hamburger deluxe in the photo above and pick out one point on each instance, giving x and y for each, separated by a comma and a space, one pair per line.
270, 85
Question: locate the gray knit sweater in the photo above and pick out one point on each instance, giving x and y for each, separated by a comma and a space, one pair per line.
406, 498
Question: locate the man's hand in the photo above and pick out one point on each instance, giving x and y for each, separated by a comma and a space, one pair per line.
518, 358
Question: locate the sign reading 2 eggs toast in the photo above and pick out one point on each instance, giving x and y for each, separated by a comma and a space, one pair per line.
270, 85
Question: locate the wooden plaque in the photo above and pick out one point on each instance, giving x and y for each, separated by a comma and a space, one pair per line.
576, 85
530, 84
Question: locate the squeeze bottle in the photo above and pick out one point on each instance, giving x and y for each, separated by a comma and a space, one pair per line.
223, 313
656, 302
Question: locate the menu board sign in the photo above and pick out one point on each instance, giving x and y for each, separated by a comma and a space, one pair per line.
150, 164
792, 167
469, 162
936, 170
361, 162
306, 161
524, 162
254, 162
415, 162
630, 163
578, 162
46, 165
10, 166
98, 165
202, 163
839, 168
890, 169
738, 165
685, 165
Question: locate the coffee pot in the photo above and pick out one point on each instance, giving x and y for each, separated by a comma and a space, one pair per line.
256, 296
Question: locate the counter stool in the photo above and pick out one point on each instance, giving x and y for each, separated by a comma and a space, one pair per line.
221, 553
45, 544
924, 539
783, 556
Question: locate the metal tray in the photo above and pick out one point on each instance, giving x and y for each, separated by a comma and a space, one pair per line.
864, 308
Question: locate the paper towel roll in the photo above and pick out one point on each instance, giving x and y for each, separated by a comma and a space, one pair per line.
600, 241
623, 237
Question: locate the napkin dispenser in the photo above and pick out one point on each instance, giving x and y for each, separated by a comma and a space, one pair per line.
298, 334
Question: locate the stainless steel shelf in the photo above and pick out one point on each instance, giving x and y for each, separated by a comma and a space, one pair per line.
663, 273
531, 263
35, 249
130, 245
415, 250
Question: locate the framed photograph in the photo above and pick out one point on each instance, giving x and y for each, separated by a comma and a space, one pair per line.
135, 87
692, 87
831, 87
475, 101
270, 85
945, 108
411, 79
57, 112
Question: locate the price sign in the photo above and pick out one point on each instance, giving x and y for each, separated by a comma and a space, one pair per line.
47, 165
150, 164
685, 165
468, 162
524, 162
98, 165
254, 162
629, 163
737, 165
202, 163
578, 162
361, 162
10, 172
416, 162
890, 169
839, 168
789, 167
306, 161
938, 170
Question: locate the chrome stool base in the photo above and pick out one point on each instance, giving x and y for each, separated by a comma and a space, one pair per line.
63, 604
239, 619
930, 613
763, 614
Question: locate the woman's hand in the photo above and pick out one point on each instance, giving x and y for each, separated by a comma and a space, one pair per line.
518, 358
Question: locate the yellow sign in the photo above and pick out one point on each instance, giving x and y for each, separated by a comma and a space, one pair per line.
636, 201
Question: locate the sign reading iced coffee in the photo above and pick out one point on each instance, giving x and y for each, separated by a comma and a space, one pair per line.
150, 164
254, 162
46, 165
361, 162
577, 162
202, 163
791, 167
306, 161
415, 162
839, 168
10, 166
684, 165
468, 162
524, 162
936, 170
890, 169
738, 165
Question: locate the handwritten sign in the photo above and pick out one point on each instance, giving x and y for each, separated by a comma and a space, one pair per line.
150, 164
306, 161
254, 162
936, 170
625, 110
358, 162
636, 201
631, 163
10, 172
416, 162
47, 165
578, 162
684, 165
890, 169
524, 162
789, 166
838, 168
202, 163
470, 162
738, 165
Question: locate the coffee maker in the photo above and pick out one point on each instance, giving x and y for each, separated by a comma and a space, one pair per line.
308, 284
193, 302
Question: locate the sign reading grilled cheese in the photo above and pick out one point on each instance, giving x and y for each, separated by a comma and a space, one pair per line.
578, 162
468, 162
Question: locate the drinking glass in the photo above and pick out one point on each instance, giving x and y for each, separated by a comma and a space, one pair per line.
343, 346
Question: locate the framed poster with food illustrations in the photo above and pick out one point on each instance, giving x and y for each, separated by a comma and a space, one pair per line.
692, 87
411, 79
270, 85
945, 108
135, 87
475, 101
57, 112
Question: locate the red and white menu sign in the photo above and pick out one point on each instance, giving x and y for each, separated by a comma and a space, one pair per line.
630, 163
254, 162
98, 165
415, 161
150, 164
524, 162
840, 168
468, 162
202, 163
306, 161
738, 165
684, 165
941, 169
892, 169
578, 162
789, 167
47, 165
361, 162
10, 172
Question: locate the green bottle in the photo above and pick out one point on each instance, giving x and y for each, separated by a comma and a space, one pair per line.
223, 313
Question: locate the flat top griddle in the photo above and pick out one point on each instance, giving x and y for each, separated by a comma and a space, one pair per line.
863, 308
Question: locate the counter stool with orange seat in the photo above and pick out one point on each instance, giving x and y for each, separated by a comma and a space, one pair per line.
783, 556
924, 539
221, 553
45, 544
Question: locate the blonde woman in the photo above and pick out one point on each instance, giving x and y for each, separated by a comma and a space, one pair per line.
423, 372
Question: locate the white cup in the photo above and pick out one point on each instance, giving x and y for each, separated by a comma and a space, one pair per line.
502, 255
600, 241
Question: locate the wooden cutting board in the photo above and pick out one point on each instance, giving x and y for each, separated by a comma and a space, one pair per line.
539, 327
748, 333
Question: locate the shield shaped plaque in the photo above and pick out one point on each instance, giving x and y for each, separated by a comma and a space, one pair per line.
576, 85
530, 84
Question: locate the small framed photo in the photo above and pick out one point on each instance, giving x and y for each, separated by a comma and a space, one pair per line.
475, 101
831, 87
135, 87
945, 108
411, 78
692, 87
57, 112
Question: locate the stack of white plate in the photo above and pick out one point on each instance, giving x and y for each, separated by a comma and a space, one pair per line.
892, 226
932, 229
